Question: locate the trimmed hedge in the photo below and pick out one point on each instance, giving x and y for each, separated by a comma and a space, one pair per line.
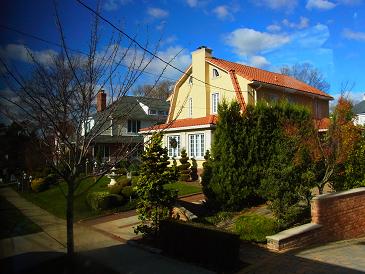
128, 192
200, 244
39, 184
103, 200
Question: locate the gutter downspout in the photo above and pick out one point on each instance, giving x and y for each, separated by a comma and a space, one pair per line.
237, 89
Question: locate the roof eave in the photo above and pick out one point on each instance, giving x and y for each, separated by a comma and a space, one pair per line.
301, 92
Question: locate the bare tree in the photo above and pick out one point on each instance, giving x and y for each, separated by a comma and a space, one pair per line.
306, 73
58, 100
161, 91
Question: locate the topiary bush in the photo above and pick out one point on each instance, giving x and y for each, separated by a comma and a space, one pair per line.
103, 200
115, 189
128, 192
194, 170
51, 179
124, 181
184, 170
39, 185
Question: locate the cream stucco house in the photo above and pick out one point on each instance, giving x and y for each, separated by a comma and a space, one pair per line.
194, 102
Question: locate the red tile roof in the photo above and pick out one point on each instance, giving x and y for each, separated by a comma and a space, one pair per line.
255, 74
188, 122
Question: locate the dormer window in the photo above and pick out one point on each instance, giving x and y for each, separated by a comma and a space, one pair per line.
152, 112
215, 73
190, 80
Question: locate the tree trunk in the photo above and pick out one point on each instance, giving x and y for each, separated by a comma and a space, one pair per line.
70, 221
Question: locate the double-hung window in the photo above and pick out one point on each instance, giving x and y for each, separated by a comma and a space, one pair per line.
173, 145
134, 126
215, 101
196, 145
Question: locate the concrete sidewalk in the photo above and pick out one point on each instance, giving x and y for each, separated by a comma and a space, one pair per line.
110, 251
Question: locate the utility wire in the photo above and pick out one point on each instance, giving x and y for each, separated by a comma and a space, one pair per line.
142, 47
68, 48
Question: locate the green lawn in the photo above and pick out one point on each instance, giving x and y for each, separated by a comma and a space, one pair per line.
53, 200
254, 227
13, 222
184, 188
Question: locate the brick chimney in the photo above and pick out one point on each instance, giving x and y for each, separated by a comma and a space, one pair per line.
101, 101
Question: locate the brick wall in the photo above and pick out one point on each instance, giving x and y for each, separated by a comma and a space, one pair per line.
335, 216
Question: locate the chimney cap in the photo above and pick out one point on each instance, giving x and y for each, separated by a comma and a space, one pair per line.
205, 47
101, 91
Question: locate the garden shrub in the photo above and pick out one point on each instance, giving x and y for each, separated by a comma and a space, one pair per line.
127, 192
39, 184
103, 200
51, 179
121, 171
116, 188
257, 155
200, 244
254, 227
194, 170
184, 167
134, 173
154, 201
124, 181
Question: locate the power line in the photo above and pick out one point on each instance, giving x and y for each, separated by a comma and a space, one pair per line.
142, 47
71, 49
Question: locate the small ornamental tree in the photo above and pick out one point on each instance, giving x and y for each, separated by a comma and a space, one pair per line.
184, 167
155, 202
207, 173
194, 170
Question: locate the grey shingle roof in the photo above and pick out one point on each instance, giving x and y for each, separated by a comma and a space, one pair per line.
128, 106
359, 108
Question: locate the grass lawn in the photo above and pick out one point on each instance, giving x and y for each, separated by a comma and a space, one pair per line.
184, 188
53, 200
254, 227
13, 222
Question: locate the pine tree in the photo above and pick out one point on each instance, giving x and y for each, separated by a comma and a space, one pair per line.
184, 167
155, 202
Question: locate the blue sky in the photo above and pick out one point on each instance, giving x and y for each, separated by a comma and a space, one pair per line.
330, 34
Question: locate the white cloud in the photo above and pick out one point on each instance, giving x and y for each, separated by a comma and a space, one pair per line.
112, 5
273, 28
258, 61
320, 4
354, 35
288, 5
222, 12
181, 61
192, 3
157, 13
302, 24
21, 53
248, 42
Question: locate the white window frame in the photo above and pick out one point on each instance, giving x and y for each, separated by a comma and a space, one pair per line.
173, 152
133, 124
152, 112
215, 102
190, 107
196, 146
215, 73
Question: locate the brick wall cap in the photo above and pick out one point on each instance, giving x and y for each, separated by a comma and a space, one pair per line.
339, 194
289, 233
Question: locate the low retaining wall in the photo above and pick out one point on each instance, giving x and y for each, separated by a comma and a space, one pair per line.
335, 216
